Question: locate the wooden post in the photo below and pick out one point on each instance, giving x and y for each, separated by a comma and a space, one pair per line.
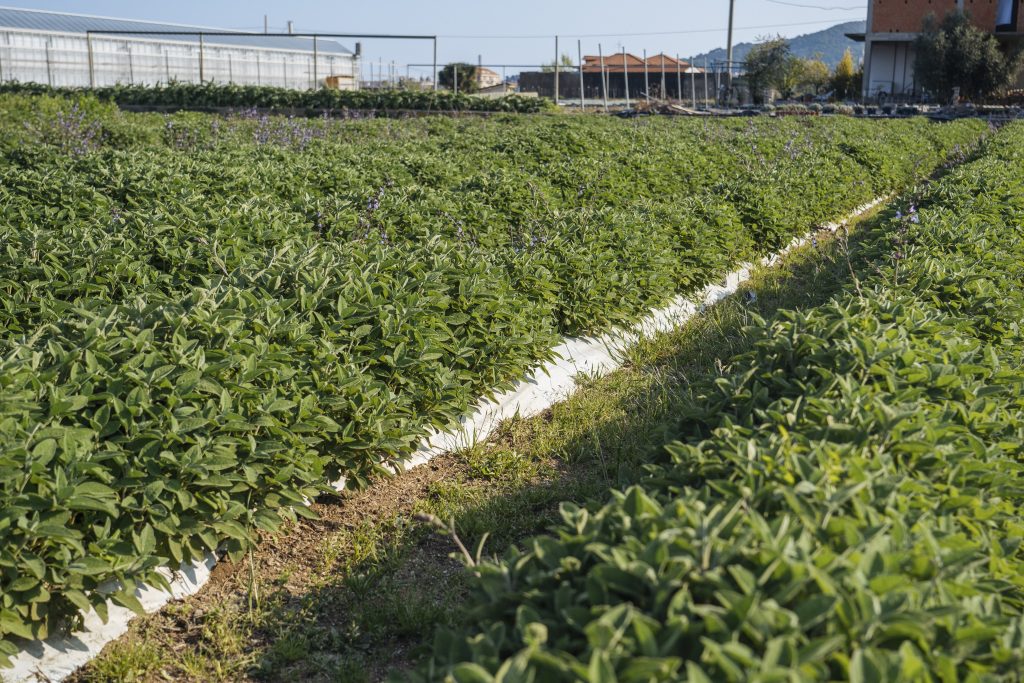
693, 84
435, 63
728, 52
579, 56
647, 84
259, 75
49, 66
131, 67
705, 82
231, 69
604, 77
92, 62
456, 78
679, 80
625, 75
167, 66
556, 71
284, 67
664, 93
316, 64
202, 60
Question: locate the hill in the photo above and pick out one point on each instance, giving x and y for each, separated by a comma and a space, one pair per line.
829, 44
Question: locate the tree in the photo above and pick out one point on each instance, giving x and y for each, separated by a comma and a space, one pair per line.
815, 75
769, 64
467, 77
845, 81
563, 62
954, 53
790, 77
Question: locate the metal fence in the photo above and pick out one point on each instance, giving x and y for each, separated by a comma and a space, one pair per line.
65, 59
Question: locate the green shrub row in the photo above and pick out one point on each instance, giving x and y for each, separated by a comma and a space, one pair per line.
845, 505
189, 95
205, 318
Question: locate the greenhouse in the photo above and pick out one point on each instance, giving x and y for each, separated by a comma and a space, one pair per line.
61, 49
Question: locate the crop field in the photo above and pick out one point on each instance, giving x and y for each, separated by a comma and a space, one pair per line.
844, 505
205, 319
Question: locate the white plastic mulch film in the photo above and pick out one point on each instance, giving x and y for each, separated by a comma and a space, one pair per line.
58, 657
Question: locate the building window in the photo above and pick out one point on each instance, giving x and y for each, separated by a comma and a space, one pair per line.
1006, 16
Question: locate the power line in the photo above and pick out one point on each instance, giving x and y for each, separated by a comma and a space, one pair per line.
821, 7
651, 33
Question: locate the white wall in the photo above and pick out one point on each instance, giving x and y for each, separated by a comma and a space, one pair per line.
62, 59
891, 69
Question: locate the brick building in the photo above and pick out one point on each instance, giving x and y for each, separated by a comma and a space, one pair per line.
893, 26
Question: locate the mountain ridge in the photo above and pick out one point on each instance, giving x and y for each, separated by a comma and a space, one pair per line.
828, 45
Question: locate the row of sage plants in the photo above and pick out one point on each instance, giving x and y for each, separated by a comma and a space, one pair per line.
202, 323
211, 95
845, 504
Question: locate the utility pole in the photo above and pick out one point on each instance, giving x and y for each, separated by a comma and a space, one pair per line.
266, 24
728, 52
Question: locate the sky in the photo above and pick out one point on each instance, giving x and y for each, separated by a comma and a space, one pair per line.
520, 32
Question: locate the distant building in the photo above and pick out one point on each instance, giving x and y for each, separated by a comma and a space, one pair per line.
485, 78
894, 25
663, 76
62, 49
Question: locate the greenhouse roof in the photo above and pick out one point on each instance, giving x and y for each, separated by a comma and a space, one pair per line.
59, 22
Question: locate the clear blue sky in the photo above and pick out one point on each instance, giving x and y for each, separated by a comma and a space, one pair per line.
518, 32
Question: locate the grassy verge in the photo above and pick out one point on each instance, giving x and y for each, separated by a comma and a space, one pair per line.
358, 593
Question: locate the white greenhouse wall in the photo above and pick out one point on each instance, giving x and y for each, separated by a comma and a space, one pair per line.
62, 59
